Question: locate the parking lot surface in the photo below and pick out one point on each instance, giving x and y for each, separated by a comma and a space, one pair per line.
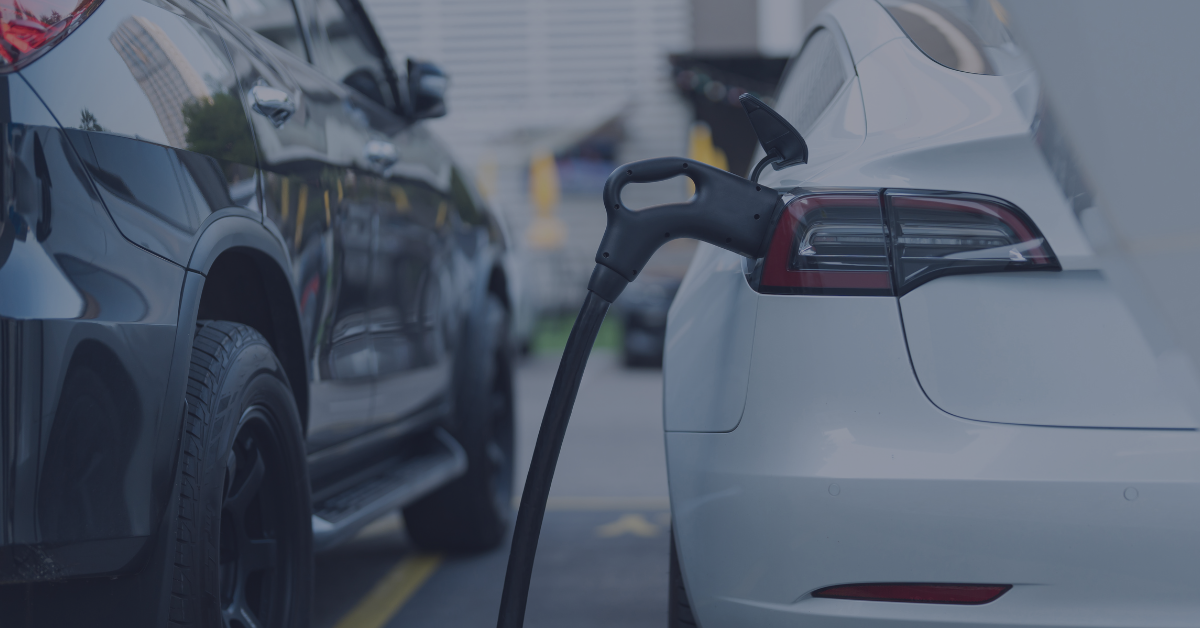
602, 560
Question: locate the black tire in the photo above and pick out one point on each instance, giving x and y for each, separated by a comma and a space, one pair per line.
471, 513
243, 548
679, 609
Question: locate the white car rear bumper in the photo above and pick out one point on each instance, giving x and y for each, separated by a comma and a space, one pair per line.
841, 471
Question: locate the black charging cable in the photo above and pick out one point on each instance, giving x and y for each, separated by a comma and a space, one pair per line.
727, 211
545, 456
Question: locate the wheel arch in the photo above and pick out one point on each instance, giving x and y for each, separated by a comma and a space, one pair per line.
488, 279
246, 281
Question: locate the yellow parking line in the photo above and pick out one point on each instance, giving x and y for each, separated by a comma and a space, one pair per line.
390, 593
604, 503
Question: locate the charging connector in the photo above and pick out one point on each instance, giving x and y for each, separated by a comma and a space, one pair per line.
727, 211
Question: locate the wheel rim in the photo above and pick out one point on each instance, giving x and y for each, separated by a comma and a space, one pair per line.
255, 540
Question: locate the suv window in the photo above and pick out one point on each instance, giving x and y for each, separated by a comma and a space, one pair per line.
349, 51
816, 76
274, 19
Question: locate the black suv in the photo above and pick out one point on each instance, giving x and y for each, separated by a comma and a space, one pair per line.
247, 305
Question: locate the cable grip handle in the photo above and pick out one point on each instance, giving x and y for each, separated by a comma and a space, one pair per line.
727, 211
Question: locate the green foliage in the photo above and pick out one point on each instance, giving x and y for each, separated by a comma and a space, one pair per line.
88, 121
217, 127
550, 334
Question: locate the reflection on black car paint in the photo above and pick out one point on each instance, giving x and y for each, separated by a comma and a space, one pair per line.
86, 338
126, 144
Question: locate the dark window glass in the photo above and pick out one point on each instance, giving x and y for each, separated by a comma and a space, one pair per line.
963, 35
274, 19
348, 51
816, 76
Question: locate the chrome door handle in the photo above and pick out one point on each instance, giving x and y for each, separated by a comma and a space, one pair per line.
380, 153
273, 103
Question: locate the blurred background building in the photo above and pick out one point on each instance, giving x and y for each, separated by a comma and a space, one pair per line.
548, 96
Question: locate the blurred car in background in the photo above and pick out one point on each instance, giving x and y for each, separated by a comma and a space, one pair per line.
925, 405
522, 306
642, 309
248, 304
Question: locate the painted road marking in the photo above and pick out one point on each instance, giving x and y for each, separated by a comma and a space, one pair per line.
632, 523
390, 593
585, 504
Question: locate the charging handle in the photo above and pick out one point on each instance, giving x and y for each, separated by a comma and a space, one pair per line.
727, 211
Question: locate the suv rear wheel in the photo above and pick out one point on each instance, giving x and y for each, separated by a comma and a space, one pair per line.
471, 513
243, 549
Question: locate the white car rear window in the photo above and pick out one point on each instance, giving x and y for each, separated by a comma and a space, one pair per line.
815, 77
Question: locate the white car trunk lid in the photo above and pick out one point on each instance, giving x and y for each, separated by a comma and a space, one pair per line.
1056, 349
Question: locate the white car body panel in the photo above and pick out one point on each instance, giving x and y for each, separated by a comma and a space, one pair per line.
839, 132
921, 496
840, 469
716, 322
865, 26
1036, 348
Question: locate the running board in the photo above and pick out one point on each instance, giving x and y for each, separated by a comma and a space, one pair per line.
393, 484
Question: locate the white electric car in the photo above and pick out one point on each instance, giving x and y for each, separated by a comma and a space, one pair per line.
925, 406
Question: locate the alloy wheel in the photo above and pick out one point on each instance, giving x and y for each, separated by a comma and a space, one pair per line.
254, 535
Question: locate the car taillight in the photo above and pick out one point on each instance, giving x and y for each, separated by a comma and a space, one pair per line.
872, 244
940, 233
29, 28
833, 243
919, 593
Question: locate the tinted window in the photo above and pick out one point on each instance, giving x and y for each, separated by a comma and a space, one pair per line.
963, 35
348, 51
816, 76
273, 19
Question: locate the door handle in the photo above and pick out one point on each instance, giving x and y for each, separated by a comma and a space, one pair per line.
275, 104
380, 153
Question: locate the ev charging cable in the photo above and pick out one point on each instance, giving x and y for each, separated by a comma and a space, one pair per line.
728, 211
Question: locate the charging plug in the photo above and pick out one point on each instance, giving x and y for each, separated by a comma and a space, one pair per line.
726, 211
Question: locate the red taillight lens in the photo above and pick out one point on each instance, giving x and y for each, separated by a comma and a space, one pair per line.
29, 28
867, 243
920, 593
831, 243
936, 234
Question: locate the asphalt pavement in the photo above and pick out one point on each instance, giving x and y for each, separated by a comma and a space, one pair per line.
602, 560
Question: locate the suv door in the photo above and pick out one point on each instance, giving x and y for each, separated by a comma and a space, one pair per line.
314, 205
411, 277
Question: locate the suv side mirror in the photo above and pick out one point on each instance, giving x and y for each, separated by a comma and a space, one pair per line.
427, 89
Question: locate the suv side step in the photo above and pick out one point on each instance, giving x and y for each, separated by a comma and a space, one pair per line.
389, 485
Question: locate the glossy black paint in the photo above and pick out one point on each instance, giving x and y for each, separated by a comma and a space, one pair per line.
87, 321
141, 190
